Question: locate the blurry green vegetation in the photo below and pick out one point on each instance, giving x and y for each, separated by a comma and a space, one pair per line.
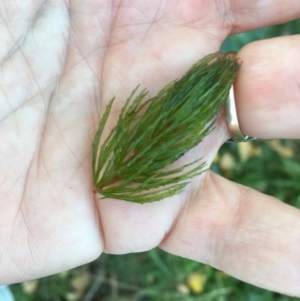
269, 166
236, 42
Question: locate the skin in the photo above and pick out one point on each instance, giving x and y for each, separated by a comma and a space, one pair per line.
62, 61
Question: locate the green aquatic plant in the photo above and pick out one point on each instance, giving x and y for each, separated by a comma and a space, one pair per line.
133, 162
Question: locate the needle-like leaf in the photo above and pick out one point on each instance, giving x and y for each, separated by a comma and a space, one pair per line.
133, 163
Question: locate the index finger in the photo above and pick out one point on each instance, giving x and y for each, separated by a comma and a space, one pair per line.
244, 15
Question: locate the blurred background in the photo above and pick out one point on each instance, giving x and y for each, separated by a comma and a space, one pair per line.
272, 167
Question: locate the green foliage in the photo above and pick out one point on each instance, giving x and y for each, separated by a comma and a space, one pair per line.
237, 41
132, 163
271, 171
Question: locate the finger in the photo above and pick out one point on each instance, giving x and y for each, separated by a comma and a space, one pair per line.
267, 90
130, 227
249, 235
248, 15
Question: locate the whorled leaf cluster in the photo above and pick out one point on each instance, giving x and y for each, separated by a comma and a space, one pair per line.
132, 162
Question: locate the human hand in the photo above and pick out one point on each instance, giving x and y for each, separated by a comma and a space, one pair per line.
61, 64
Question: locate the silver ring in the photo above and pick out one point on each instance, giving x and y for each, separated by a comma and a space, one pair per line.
233, 122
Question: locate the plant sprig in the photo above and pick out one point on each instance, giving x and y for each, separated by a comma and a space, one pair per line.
133, 162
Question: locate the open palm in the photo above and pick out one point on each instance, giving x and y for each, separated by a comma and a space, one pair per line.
61, 62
